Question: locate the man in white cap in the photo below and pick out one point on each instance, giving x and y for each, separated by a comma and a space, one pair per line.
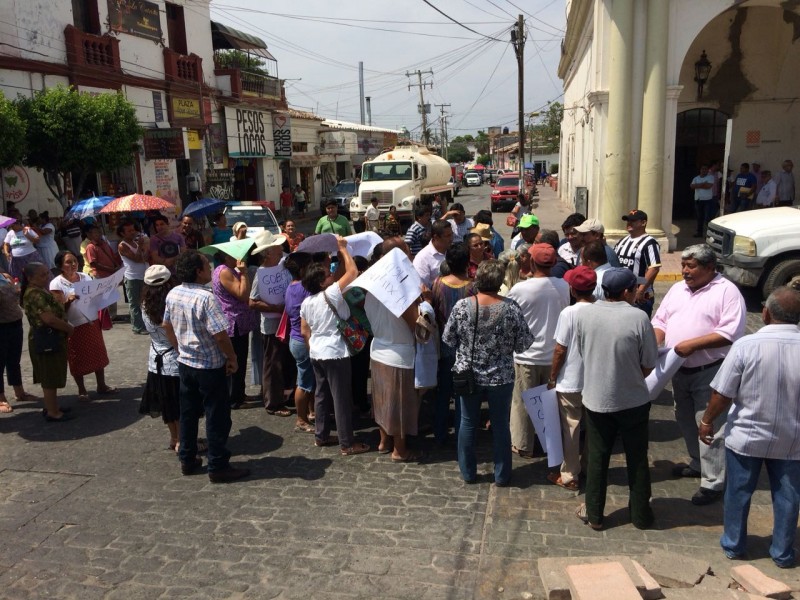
267, 297
592, 230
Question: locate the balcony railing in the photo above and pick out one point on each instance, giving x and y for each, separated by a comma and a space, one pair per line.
89, 50
256, 84
179, 67
241, 83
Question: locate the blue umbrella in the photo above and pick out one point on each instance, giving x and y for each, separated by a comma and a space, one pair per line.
87, 208
203, 207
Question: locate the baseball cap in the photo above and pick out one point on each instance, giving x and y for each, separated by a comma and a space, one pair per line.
528, 221
618, 279
543, 255
635, 215
581, 278
590, 225
157, 275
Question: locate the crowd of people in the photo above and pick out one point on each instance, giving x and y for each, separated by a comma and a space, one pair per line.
568, 312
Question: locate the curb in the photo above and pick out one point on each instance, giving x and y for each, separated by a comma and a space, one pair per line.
669, 277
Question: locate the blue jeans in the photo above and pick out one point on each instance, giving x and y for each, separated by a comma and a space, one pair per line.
205, 390
784, 484
499, 399
444, 391
133, 289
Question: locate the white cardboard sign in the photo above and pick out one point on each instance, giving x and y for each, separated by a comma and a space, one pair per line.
667, 365
542, 407
96, 294
393, 281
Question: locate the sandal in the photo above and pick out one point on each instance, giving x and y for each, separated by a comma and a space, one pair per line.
26, 397
413, 456
555, 478
279, 412
107, 390
84, 397
522, 453
388, 450
331, 441
304, 428
5, 407
358, 448
581, 514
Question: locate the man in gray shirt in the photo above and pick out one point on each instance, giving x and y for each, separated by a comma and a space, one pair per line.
785, 178
618, 347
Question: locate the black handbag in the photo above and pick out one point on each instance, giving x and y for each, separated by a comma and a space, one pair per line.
464, 382
46, 340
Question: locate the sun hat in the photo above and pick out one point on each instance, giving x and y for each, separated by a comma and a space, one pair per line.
267, 239
238, 225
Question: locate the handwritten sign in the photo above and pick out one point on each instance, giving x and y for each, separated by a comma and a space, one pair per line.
272, 284
667, 365
393, 281
542, 407
96, 294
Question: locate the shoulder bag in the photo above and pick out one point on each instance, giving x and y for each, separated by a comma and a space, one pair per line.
46, 340
464, 382
354, 334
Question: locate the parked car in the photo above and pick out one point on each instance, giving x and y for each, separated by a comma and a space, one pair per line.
342, 192
257, 215
472, 178
490, 175
504, 193
456, 185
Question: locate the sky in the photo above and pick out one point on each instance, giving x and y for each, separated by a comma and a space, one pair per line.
319, 43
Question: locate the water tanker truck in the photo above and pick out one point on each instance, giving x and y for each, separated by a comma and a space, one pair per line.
402, 177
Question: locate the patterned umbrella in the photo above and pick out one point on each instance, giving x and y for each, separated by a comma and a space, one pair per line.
87, 208
6, 221
135, 203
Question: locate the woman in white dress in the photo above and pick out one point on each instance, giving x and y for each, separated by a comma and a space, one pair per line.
47, 247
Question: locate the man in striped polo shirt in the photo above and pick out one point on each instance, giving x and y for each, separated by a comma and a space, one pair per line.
639, 252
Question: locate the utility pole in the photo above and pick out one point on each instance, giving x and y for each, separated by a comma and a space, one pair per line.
442, 122
361, 89
518, 40
422, 109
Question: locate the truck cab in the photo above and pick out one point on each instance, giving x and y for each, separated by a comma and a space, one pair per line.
758, 248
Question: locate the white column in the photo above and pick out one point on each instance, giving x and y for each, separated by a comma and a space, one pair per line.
668, 181
617, 155
651, 162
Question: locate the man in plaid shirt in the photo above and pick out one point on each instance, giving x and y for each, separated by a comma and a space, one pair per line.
197, 329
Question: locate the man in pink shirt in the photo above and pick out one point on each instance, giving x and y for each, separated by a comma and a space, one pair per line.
700, 318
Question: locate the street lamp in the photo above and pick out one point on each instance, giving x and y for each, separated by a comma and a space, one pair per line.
702, 69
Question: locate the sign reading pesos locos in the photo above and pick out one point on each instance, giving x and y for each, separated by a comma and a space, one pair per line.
251, 132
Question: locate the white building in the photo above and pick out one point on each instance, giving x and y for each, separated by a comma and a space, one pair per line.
636, 127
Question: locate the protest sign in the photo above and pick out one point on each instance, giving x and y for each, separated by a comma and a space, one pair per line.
542, 407
667, 365
96, 294
272, 284
393, 281
362, 244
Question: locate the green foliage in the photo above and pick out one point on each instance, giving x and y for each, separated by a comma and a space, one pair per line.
468, 138
553, 168
483, 159
459, 139
458, 153
12, 149
236, 59
551, 126
72, 132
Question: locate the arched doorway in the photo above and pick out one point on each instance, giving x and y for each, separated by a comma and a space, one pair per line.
699, 139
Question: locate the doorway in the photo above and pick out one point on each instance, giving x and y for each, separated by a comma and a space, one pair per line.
699, 139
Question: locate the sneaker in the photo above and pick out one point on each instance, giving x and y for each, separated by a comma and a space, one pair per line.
228, 474
191, 467
703, 496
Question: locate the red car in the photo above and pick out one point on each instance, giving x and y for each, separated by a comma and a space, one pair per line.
504, 194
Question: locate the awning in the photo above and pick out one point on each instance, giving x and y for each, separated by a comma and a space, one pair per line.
228, 38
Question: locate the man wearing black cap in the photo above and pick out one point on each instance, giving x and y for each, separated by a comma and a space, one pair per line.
639, 252
618, 348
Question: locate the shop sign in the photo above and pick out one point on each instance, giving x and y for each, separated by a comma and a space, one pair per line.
282, 134
16, 184
299, 160
338, 142
216, 136
186, 109
158, 107
136, 17
163, 143
370, 145
194, 140
248, 132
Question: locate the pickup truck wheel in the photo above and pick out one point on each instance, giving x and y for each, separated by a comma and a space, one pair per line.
780, 275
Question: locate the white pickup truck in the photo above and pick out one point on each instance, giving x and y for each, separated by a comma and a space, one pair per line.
758, 248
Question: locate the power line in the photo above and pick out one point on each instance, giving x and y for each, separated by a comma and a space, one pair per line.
459, 23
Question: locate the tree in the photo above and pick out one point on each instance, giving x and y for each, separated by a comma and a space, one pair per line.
551, 127
236, 59
72, 132
458, 153
468, 138
459, 139
13, 147
483, 159
482, 142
